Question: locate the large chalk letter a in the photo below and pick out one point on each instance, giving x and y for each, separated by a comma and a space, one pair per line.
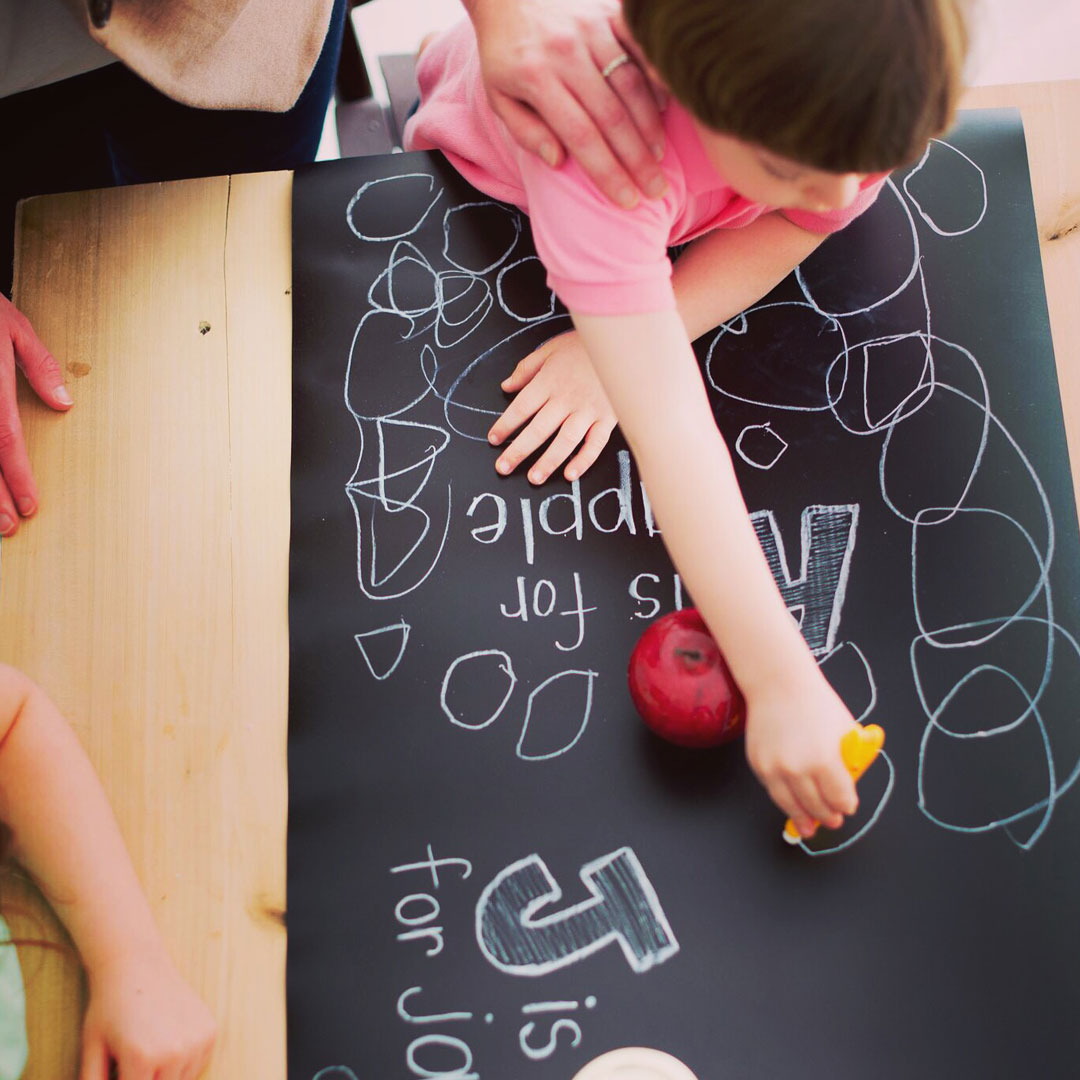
623, 908
828, 541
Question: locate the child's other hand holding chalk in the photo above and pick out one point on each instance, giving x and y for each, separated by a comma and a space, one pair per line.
794, 727
143, 1017
142, 1014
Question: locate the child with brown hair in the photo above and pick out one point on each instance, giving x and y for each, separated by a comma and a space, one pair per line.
782, 123
143, 1020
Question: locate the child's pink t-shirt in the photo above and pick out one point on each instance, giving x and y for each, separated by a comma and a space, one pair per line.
601, 259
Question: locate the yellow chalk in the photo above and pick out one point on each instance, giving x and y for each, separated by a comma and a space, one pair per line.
858, 748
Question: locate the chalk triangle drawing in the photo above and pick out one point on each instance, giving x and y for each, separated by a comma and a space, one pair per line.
376, 637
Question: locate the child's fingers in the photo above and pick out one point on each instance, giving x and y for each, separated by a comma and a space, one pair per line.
595, 441
132, 1065
782, 795
94, 1061
197, 1067
571, 432
542, 426
526, 404
838, 789
172, 1071
809, 795
525, 370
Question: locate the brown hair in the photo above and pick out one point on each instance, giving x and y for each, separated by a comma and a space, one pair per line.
839, 85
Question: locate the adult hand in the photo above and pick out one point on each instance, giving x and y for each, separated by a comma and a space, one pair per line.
542, 62
20, 345
557, 390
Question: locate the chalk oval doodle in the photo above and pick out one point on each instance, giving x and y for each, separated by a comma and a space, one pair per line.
470, 688
391, 207
556, 716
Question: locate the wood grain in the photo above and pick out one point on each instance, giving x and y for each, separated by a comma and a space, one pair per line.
149, 597
1051, 113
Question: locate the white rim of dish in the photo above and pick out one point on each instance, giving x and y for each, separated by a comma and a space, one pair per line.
635, 1063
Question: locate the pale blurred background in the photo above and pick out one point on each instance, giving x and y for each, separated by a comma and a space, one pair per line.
1015, 41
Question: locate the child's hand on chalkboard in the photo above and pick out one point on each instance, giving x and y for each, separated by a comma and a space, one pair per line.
146, 1019
557, 391
793, 734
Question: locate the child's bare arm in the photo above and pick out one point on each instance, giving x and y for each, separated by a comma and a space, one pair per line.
556, 388
795, 720
727, 270
141, 1013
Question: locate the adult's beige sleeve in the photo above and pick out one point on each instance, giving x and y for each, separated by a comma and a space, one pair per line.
215, 54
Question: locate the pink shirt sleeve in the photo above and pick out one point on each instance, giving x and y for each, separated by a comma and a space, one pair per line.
834, 220
600, 258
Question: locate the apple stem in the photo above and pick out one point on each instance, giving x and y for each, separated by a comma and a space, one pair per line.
690, 654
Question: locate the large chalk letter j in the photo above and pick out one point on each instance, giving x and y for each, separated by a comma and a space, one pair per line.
623, 908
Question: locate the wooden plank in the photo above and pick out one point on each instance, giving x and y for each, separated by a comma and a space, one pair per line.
259, 266
139, 608
1051, 113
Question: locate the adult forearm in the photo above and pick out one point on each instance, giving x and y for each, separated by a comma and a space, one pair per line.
67, 838
727, 270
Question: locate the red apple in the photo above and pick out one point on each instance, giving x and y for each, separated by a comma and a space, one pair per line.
681, 684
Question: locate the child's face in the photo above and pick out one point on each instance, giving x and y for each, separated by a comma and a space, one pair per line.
762, 176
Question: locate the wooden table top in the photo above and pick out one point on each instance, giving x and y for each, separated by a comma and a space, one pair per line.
149, 597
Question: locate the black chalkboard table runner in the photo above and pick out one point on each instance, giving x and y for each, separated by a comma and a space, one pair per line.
494, 871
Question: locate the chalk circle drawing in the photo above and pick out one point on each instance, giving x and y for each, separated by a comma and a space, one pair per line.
335, 1072
1026, 729
1010, 730
824, 843
481, 377
415, 561
849, 671
622, 909
482, 677
879, 383
832, 294
382, 399
464, 301
567, 716
955, 172
497, 223
407, 286
370, 638
385, 209
746, 363
759, 446
935, 540
406, 456
555, 718
946, 408
526, 277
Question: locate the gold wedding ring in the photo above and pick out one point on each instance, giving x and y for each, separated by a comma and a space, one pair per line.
614, 65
